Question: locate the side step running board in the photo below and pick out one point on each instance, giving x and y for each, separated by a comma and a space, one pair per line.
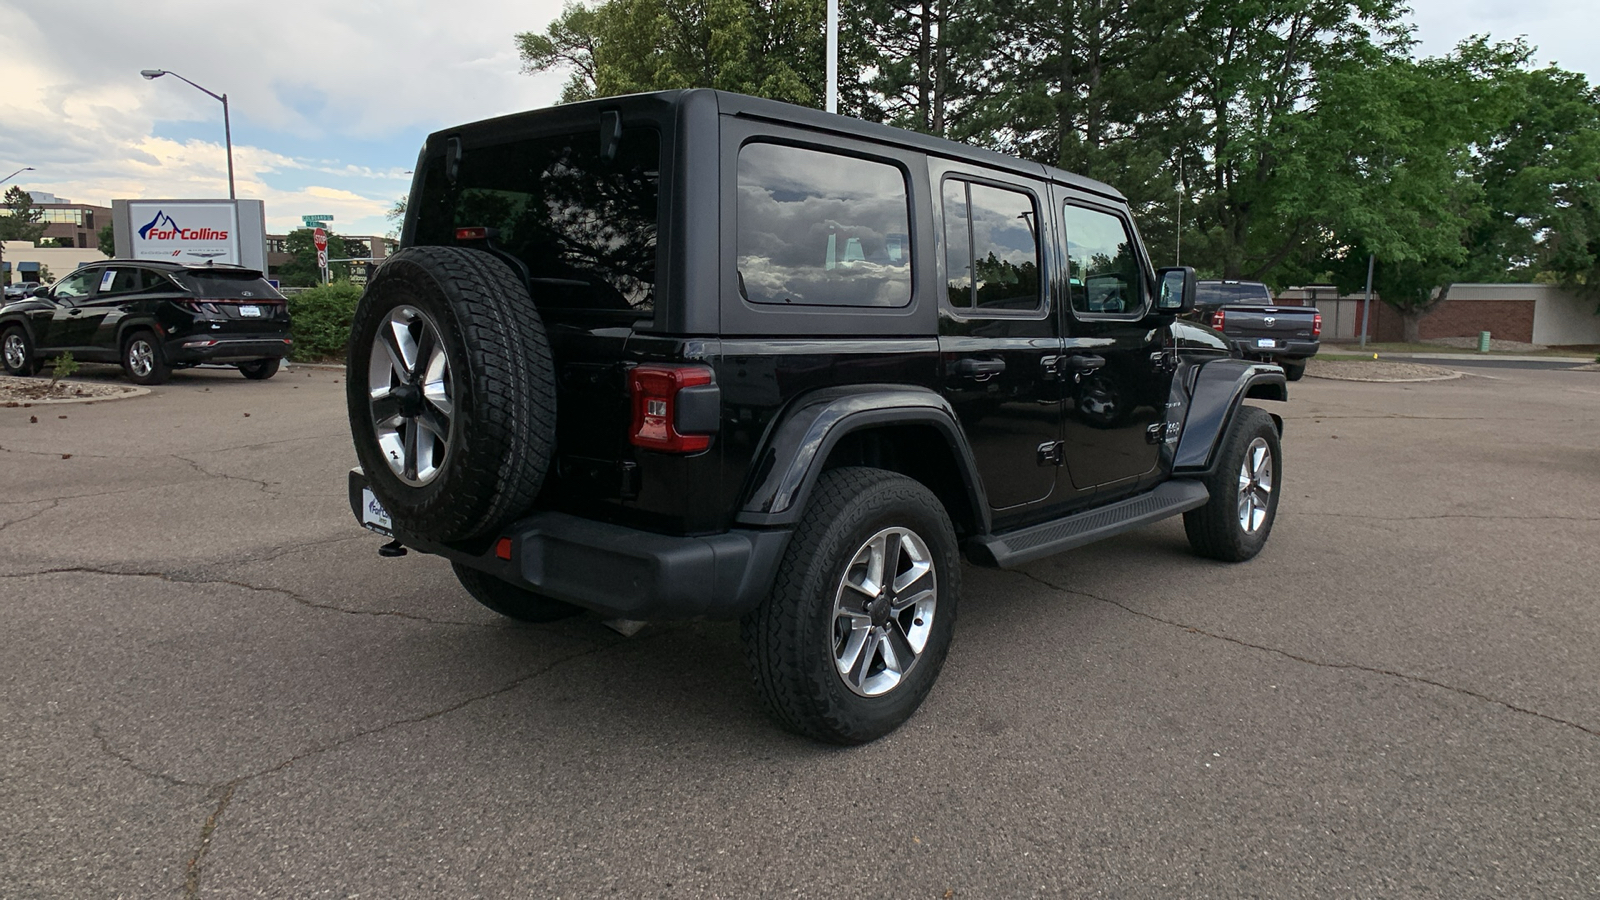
1037, 541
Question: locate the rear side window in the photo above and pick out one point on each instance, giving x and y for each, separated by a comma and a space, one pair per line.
224, 285
1104, 272
585, 226
991, 248
822, 229
120, 281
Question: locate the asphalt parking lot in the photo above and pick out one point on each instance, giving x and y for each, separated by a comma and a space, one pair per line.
211, 685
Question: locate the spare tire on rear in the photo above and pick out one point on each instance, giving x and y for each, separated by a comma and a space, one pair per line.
451, 392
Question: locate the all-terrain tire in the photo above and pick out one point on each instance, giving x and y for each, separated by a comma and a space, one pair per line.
16, 352
260, 369
143, 359
509, 600
1294, 370
501, 428
1220, 529
791, 640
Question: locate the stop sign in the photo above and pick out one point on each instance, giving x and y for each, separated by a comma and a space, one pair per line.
320, 238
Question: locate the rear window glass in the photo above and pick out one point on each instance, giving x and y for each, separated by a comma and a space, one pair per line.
585, 226
822, 229
224, 285
1216, 293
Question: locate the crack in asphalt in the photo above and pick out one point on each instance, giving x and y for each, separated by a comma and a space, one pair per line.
266, 487
36, 513
1320, 663
191, 876
195, 867
171, 578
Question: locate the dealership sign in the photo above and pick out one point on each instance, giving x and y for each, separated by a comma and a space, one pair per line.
185, 232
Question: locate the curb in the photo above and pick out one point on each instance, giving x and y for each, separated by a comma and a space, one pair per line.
127, 393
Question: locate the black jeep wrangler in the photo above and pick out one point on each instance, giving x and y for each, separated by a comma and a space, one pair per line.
698, 354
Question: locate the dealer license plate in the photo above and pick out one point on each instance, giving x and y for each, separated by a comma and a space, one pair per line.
250, 312
373, 515
1266, 342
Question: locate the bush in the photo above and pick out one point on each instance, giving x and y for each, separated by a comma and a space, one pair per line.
319, 320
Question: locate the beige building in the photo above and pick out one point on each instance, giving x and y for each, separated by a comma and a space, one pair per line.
24, 262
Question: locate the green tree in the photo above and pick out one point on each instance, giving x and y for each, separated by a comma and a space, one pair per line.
108, 240
301, 270
22, 221
771, 48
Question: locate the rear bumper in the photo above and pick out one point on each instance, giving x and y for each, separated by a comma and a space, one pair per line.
618, 571
1250, 349
195, 349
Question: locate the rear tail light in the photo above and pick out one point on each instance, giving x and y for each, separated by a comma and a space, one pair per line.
1316, 325
654, 392
1217, 319
476, 233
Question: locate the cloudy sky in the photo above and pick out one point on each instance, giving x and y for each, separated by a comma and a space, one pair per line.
329, 102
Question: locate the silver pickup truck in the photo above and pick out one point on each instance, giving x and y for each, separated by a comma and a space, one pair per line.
1256, 329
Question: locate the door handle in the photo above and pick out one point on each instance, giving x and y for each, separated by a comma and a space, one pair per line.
1082, 365
981, 369
73, 312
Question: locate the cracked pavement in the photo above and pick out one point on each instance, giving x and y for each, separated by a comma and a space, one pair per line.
212, 686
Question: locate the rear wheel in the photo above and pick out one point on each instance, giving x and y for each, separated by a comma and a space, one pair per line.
509, 600
16, 351
861, 614
1234, 524
1293, 369
451, 392
259, 370
143, 359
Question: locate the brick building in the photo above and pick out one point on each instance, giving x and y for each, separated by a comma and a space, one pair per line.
1531, 313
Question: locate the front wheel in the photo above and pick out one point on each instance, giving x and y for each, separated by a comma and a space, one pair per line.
851, 638
144, 360
1234, 524
259, 370
17, 351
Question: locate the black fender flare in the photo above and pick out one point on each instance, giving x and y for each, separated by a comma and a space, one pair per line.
1220, 387
799, 441
21, 318
135, 323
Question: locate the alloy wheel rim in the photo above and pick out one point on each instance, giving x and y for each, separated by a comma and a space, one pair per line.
1255, 486
16, 351
410, 395
141, 358
883, 611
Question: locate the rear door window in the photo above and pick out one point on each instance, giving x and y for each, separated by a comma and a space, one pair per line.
822, 229
991, 248
585, 226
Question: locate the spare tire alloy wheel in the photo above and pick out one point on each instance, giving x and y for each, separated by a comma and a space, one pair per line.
408, 380
451, 393
883, 611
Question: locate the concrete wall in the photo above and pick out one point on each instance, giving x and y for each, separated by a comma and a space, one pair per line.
1560, 318
60, 260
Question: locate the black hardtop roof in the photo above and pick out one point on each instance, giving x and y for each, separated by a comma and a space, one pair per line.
789, 114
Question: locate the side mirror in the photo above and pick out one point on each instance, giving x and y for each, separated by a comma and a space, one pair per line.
1177, 290
42, 290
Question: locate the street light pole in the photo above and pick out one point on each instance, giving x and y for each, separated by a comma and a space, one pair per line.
227, 129
16, 173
